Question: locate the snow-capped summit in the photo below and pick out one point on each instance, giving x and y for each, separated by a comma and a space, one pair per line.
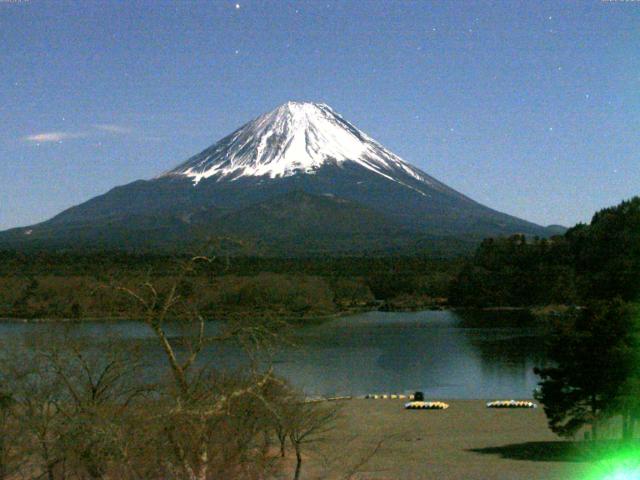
296, 137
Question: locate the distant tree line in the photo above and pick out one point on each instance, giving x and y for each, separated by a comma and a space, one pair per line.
65, 285
114, 262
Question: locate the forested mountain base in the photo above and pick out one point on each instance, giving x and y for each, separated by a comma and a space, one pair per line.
589, 262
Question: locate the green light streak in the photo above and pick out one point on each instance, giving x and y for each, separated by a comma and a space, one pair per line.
620, 465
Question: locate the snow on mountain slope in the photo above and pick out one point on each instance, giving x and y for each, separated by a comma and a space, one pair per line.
296, 137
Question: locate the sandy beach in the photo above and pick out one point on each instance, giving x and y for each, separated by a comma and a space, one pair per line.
379, 439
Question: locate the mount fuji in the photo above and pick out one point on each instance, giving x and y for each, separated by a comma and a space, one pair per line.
299, 180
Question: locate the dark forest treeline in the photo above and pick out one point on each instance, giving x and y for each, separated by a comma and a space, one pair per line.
76, 285
110, 262
589, 262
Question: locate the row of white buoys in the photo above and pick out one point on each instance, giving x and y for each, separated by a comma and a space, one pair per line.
417, 401
386, 396
422, 405
511, 404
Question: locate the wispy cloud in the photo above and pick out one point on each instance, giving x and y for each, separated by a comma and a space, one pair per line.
113, 128
46, 137
97, 129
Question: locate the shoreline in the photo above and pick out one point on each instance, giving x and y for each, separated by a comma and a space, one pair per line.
404, 398
534, 310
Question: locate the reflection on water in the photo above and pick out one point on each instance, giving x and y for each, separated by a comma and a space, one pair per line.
443, 353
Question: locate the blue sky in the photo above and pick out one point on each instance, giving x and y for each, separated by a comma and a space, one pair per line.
531, 107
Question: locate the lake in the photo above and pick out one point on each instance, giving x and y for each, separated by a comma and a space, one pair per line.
447, 355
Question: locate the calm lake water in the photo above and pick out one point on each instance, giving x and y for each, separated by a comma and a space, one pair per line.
446, 354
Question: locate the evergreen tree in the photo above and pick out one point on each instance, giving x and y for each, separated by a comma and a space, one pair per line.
593, 357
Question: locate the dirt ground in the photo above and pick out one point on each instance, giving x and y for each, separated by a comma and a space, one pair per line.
379, 439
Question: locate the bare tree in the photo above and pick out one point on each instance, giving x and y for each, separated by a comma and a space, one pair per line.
70, 401
199, 407
100, 384
7, 434
307, 423
36, 394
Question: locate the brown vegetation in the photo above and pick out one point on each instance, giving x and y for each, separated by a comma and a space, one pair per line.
73, 297
73, 410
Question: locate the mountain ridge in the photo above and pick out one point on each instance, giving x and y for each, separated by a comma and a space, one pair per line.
297, 147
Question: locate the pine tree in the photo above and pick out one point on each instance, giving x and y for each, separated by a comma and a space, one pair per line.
593, 357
